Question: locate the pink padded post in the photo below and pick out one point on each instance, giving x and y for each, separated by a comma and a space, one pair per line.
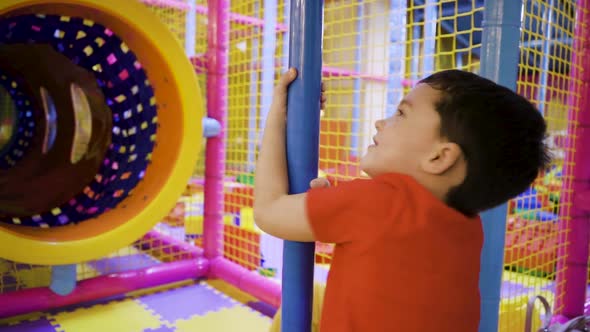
43, 299
217, 91
572, 263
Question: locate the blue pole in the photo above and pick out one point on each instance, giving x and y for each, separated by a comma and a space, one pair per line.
499, 62
253, 113
356, 111
303, 125
397, 52
430, 24
545, 53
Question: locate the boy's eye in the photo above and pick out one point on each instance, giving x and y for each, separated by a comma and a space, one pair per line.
399, 112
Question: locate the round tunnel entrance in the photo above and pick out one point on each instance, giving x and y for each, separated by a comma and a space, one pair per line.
111, 109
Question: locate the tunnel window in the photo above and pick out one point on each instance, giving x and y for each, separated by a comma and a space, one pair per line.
50, 120
82, 122
7, 119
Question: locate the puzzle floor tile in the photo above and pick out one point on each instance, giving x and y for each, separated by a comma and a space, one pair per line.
510, 289
262, 307
231, 291
213, 306
40, 325
161, 329
185, 302
123, 316
226, 320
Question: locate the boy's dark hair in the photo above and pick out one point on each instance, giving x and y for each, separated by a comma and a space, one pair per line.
501, 134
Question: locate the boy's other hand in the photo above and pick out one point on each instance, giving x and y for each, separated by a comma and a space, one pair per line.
323, 97
319, 183
279, 104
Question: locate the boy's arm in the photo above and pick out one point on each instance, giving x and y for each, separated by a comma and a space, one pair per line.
275, 211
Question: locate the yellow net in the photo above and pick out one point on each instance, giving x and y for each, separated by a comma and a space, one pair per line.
257, 34
534, 218
374, 52
173, 14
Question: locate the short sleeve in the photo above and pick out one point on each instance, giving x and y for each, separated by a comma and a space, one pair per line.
352, 209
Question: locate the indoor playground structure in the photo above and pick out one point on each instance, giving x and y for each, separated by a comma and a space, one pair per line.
129, 131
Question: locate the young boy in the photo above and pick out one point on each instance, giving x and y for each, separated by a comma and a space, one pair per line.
408, 240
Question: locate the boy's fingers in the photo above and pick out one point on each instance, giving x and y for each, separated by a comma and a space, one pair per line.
323, 97
281, 88
288, 77
319, 183
314, 184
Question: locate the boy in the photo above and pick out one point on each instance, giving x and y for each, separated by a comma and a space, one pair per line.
408, 239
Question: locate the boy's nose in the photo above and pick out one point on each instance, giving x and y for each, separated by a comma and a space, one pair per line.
379, 124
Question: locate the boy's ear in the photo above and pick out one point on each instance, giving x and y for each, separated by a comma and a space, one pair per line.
443, 157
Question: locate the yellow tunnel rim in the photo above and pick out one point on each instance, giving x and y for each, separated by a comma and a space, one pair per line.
175, 87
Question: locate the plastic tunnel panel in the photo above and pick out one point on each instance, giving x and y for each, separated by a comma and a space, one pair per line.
145, 77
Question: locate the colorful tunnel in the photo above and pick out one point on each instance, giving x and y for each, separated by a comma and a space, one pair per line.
100, 127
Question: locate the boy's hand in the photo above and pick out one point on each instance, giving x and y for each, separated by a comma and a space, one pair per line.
279, 102
319, 183
323, 97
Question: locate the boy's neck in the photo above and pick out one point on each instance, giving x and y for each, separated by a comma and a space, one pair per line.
438, 186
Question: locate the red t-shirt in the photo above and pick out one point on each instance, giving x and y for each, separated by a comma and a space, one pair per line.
403, 261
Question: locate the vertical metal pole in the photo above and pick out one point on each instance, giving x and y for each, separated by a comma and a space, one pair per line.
430, 25
397, 53
415, 60
254, 81
356, 110
459, 60
546, 50
303, 125
574, 236
285, 54
270, 246
269, 44
190, 31
217, 91
499, 62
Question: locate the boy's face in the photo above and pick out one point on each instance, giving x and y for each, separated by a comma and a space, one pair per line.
405, 141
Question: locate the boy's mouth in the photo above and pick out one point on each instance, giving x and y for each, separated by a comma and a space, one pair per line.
374, 145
